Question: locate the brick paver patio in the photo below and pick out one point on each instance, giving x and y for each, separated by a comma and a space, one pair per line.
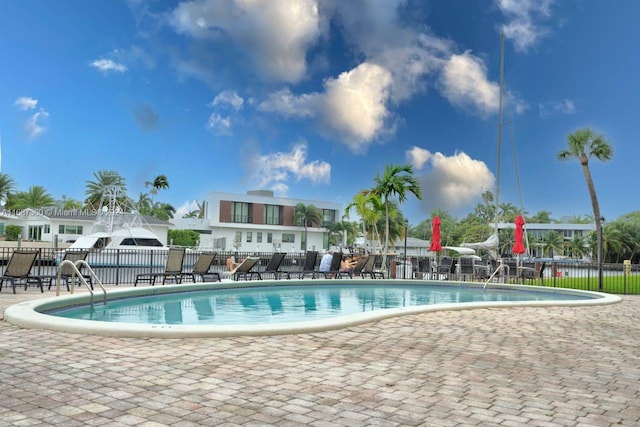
562, 366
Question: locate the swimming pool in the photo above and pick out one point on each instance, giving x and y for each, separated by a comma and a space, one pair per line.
272, 307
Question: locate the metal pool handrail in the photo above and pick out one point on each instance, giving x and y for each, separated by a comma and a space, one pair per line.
76, 271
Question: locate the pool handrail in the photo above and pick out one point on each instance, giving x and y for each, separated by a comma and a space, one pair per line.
76, 271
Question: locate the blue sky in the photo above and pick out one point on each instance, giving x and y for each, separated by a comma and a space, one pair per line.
312, 98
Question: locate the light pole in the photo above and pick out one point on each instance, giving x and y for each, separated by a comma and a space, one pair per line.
600, 254
404, 264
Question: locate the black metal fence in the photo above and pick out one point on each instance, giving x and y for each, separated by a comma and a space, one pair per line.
114, 267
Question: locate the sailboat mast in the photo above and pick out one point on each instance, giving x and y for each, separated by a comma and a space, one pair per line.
499, 134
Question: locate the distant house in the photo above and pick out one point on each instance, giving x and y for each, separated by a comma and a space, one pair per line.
259, 222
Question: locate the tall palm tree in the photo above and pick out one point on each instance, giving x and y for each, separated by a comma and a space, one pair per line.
95, 190
369, 207
553, 243
397, 181
36, 197
7, 184
305, 214
144, 204
163, 211
582, 145
160, 182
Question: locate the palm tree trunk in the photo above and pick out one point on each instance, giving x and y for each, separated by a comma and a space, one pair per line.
596, 214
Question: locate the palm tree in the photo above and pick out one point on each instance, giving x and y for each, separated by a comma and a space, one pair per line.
507, 212
95, 191
577, 246
36, 197
160, 182
369, 207
553, 242
396, 181
305, 214
144, 204
583, 144
163, 211
7, 184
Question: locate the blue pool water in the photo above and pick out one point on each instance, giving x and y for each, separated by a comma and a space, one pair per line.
284, 304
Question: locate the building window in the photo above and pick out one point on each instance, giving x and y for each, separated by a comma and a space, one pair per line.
259, 236
249, 236
288, 238
240, 212
47, 229
70, 229
272, 215
269, 237
328, 216
220, 243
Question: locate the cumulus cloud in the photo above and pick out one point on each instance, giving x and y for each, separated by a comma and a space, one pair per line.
34, 126
417, 157
26, 103
353, 106
522, 15
275, 33
228, 98
464, 82
108, 65
450, 183
273, 171
564, 106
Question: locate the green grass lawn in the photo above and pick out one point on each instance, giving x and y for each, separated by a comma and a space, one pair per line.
614, 284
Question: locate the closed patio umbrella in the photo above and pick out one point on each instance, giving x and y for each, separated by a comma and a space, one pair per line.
435, 235
518, 246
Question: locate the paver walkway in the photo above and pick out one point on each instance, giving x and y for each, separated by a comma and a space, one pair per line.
562, 366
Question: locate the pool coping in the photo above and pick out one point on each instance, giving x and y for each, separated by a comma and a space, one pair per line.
28, 314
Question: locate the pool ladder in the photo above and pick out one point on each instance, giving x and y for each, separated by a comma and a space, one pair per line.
75, 271
501, 266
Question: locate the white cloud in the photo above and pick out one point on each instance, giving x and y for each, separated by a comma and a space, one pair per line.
219, 125
564, 106
272, 171
26, 103
452, 183
108, 65
34, 126
275, 33
464, 83
417, 157
228, 98
352, 107
521, 26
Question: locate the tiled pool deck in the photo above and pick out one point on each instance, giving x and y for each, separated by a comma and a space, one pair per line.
561, 366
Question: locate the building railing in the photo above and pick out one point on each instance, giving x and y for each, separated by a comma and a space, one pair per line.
115, 267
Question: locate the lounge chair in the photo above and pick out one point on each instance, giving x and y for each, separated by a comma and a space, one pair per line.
357, 269
369, 269
273, 267
202, 266
444, 268
19, 269
173, 268
66, 271
309, 266
245, 269
334, 269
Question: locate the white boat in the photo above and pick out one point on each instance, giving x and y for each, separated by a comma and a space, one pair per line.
118, 238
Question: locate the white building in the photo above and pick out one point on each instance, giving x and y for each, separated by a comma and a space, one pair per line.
259, 222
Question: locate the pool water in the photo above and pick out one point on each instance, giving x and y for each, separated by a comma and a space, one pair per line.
285, 304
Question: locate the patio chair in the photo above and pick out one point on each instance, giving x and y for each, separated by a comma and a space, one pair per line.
245, 269
466, 268
334, 269
66, 271
357, 269
309, 266
273, 267
202, 266
369, 269
444, 267
173, 268
19, 269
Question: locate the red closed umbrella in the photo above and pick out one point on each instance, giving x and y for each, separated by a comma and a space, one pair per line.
518, 246
435, 235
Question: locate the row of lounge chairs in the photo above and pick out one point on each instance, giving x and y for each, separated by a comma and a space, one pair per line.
19, 266
249, 269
